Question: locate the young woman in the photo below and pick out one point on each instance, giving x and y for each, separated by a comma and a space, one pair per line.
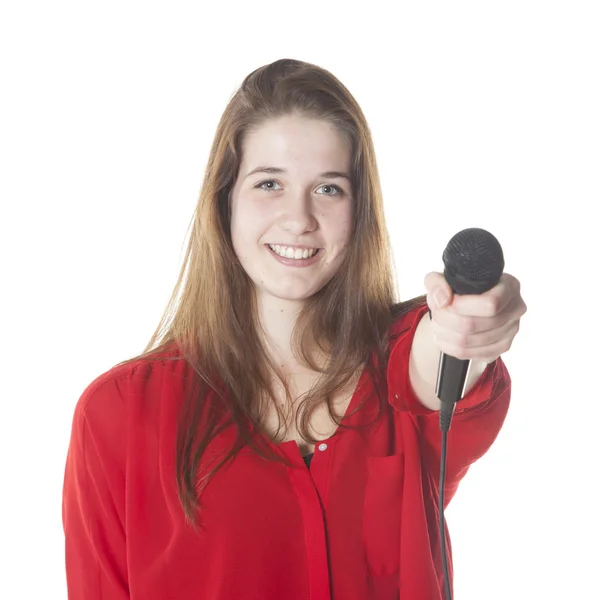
279, 436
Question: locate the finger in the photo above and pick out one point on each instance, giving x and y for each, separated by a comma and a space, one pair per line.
439, 292
475, 340
486, 353
466, 325
490, 303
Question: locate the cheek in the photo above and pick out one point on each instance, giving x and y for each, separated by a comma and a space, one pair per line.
341, 228
247, 224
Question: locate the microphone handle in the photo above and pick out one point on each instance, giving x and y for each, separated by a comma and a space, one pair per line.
450, 386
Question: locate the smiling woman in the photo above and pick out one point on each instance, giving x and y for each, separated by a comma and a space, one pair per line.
300, 211
189, 472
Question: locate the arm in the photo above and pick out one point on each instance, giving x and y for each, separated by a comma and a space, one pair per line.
423, 366
93, 498
478, 328
477, 419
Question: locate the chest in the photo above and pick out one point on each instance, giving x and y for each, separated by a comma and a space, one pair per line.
320, 424
339, 519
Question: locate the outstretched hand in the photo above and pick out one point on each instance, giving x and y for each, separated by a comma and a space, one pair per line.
474, 327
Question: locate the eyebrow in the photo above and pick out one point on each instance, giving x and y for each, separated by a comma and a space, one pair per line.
276, 170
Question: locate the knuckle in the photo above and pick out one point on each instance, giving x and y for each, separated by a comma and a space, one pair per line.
456, 336
491, 306
462, 340
515, 282
468, 326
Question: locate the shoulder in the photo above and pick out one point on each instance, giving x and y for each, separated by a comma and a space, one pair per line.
398, 337
405, 318
106, 397
125, 409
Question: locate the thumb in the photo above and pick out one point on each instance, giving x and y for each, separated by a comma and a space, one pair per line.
439, 293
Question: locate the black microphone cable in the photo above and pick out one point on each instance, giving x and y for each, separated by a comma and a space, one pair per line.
473, 264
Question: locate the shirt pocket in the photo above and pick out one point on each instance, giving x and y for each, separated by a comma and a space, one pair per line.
382, 513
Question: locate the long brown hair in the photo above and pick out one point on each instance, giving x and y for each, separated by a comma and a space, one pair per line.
211, 316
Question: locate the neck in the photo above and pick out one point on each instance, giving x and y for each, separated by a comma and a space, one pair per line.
278, 318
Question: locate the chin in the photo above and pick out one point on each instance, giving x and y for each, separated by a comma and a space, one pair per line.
291, 294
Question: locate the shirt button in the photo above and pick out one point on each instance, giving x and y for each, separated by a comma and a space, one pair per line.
322, 447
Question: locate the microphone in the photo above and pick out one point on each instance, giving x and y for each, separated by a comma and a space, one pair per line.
473, 264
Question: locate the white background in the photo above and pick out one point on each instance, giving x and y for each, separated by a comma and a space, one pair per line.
483, 114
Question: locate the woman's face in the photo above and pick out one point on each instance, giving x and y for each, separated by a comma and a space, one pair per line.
291, 210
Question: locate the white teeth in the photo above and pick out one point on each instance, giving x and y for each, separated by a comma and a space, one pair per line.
289, 252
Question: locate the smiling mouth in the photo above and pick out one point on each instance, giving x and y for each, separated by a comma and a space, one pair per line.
291, 253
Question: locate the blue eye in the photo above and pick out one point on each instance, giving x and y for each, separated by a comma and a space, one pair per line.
261, 185
335, 187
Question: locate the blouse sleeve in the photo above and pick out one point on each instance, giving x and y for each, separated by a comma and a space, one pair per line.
93, 497
478, 416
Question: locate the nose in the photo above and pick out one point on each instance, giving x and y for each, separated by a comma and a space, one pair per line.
298, 215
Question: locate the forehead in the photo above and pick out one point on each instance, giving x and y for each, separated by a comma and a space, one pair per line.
296, 141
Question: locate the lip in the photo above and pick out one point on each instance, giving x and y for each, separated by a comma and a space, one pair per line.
293, 262
300, 246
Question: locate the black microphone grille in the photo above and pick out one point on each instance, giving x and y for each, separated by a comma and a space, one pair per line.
473, 261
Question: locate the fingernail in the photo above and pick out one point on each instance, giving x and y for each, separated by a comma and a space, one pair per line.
440, 296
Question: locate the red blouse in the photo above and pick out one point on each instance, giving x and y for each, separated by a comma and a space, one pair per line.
360, 524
